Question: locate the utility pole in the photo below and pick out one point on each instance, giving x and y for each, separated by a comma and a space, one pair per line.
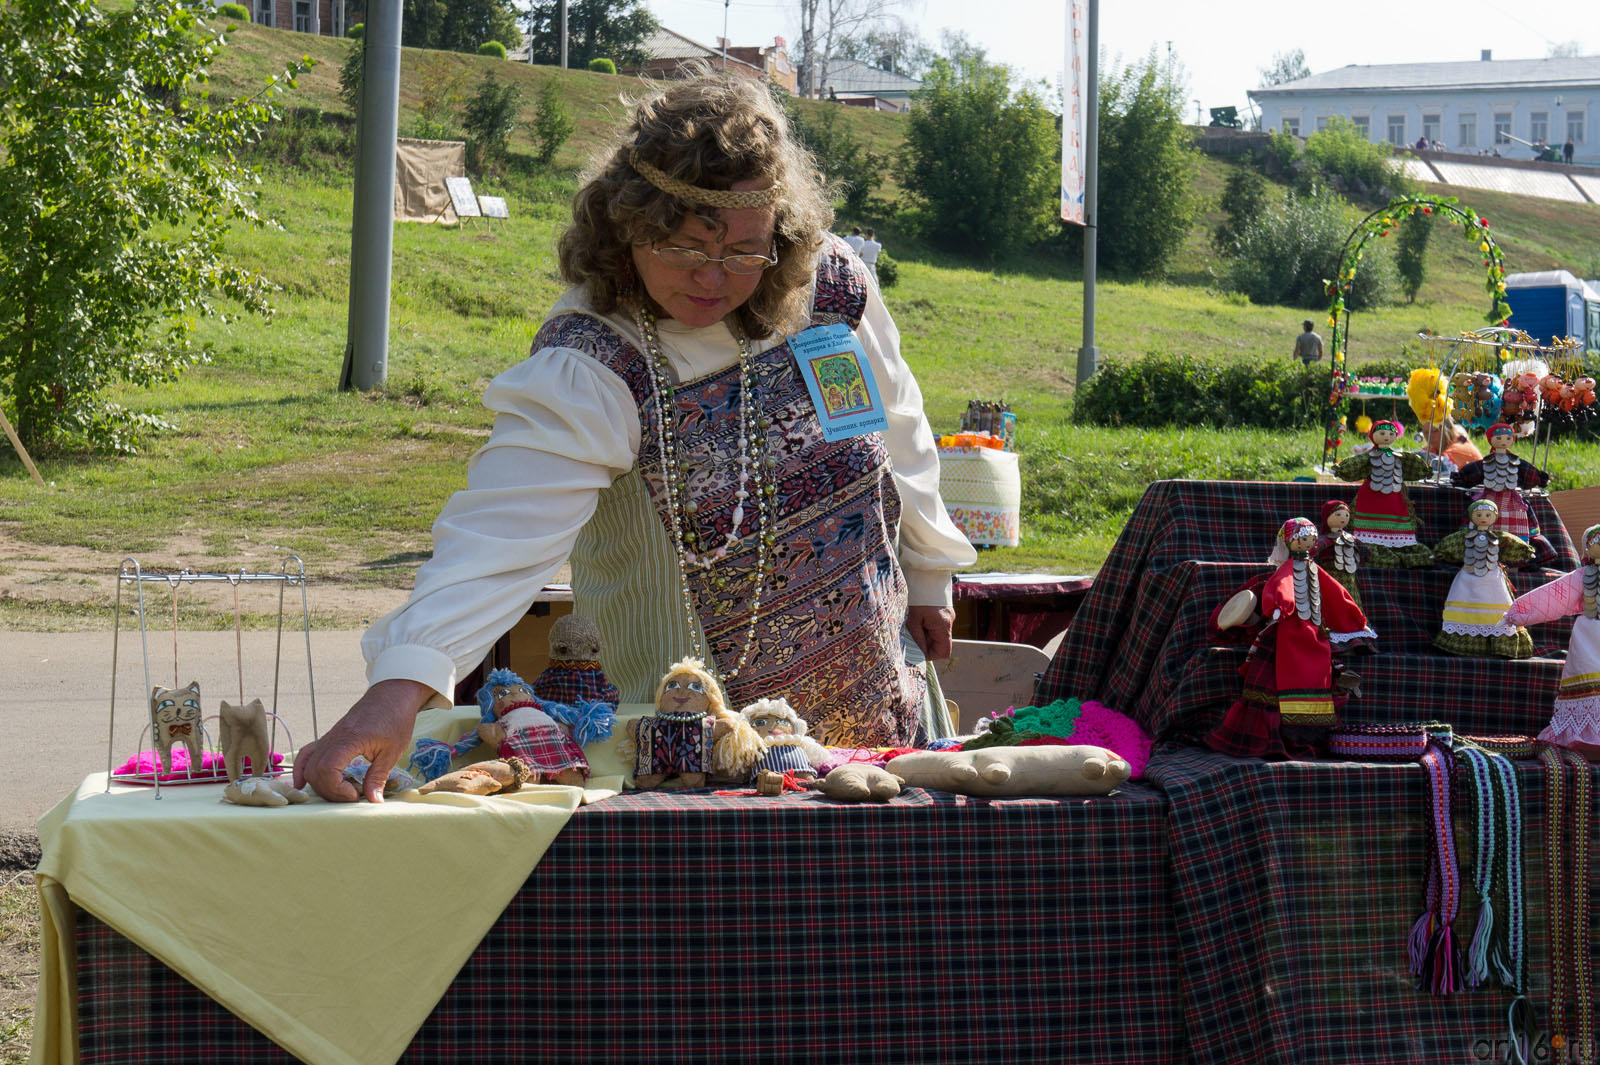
563, 34
366, 349
1089, 355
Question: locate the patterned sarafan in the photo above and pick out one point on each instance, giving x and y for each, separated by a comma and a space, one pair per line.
828, 635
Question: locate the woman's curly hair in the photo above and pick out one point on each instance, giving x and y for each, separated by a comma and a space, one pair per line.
710, 131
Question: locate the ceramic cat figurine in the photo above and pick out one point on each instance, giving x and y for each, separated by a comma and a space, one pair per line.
176, 715
244, 735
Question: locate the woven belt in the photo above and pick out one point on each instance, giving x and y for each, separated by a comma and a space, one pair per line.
1567, 898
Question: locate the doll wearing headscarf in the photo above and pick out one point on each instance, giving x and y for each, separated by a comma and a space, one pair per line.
1475, 620
1576, 721
1381, 517
1287, 705
1501, 477
1340, 554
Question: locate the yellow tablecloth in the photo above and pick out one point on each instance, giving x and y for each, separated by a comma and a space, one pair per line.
331, 928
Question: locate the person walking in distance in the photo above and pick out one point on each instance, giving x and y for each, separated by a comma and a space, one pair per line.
869, 252
855, 239
1308, 345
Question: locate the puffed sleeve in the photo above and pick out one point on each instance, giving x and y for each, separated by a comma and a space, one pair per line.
1452, 548
1468, 476
565, 427
1413, 467
1515, 548
1560, 598
1354, 468
931, 547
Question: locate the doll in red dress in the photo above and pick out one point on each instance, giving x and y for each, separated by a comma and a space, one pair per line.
1288, 703
1381, 517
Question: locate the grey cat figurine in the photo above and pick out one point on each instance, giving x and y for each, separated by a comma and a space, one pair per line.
176, 715
244, 734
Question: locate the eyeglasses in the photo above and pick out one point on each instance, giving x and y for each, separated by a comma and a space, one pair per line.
689, 259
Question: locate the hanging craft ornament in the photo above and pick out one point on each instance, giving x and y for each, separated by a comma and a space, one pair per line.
755, 481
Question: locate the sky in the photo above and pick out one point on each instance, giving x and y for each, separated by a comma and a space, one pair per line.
1222, 47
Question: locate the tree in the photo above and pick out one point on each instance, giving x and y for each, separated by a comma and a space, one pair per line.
1284, 68
1287, 253
611, 29
1243, 197
118, 185
825, 25
1411, 252
981, 158
489, 118
1147, 167
551, 125
895, 46
839, 153
457, 25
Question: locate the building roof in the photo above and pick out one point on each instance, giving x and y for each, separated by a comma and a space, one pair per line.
1481, 74
854, 76
668, 44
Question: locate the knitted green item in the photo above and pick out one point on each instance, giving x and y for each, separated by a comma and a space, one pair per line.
1518, 646
1002, 733
1412, 556
1053, 719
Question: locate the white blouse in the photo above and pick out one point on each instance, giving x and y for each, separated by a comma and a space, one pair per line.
566, 427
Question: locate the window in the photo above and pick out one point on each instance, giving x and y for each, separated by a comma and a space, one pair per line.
1291, 126
1502, 127
302, 15
264, 12
1538, 126
1322, 123
1469, 131
1430, 127
1397, 129
1575, 124
1360, 122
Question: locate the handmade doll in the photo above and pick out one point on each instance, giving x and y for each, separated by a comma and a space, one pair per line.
1500, 477
1576, 722
678, 739
782, 744
1381, 517
574, 672
1288, 704
175, 713
1340, 554
245, 736
1475, 607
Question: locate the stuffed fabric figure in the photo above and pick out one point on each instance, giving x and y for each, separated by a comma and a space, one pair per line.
1381, 517
1001, 771
678, 739
860, 782
1501, 478
176, 714
1576, 722
1287, 705
244, 735
521, 728
1475, 608
1339, 553
574, 674
784, 746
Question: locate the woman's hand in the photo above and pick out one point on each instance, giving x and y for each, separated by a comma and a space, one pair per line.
930, 628
378, 727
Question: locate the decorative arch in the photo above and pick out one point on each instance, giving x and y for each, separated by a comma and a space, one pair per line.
1381, 223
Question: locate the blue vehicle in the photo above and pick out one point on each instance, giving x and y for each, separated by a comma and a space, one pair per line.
1551, 304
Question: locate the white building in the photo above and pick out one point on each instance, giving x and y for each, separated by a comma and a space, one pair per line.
1467, 107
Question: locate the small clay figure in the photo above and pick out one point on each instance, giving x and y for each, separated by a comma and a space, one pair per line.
1340, 554
521, 728
176, 716
1475, 607
574, 674
244, 735
1501, 477
1382, 517
1576, 721
678, 739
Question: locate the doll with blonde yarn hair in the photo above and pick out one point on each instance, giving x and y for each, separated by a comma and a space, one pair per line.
678, 740
1576, 721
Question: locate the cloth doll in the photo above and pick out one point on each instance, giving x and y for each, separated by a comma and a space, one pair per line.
785, 746
1288, 704
1382, 517
1576, 722
1501, 477
1475, 607
574, 674
678, 739
1340, 554
521, 728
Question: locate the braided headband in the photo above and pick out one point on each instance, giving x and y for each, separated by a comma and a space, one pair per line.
695, 194
1484, 504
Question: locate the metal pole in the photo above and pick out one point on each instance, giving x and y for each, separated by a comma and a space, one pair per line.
372, 235
563, 34
725, 34
1089, 355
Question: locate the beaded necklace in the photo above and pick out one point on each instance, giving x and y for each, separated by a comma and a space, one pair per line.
755, 469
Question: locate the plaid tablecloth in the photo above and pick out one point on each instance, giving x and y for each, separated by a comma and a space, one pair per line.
690, 927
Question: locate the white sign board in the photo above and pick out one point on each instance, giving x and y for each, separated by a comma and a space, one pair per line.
493, 206
461, 197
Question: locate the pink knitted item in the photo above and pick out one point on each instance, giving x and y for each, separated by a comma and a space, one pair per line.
211, 769
1101, 726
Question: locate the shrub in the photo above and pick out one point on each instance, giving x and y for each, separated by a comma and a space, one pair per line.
839, 153
492, 48
888, 271
356, 30
310, 139
551, 125
438, 109
488, 118
1355, 165
1243, 198
234, 11
1287, 254
350, 73
1161, 388
601, 65
1411, 253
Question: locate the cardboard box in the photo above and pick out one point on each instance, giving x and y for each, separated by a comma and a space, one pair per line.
1579, 508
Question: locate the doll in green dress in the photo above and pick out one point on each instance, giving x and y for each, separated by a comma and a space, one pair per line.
1475, 608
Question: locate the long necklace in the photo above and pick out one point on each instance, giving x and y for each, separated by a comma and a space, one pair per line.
754, 479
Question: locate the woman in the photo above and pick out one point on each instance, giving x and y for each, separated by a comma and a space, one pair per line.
661, 435
1475, 620
1576, 721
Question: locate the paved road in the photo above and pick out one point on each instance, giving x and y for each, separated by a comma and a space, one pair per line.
55, 698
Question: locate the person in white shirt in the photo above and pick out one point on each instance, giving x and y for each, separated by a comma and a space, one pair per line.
869, 252
661, 437
855, 239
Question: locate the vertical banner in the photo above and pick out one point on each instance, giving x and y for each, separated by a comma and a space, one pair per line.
1073, 117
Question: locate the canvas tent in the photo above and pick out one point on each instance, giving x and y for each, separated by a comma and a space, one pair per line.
420, 168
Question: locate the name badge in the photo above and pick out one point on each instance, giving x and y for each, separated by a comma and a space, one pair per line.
840, 380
